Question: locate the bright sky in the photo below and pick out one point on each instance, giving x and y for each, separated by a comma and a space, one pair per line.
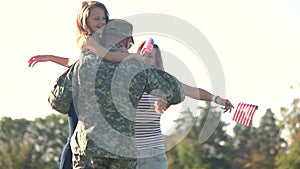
257, 43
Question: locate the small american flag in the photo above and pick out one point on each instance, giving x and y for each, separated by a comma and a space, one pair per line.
244, 113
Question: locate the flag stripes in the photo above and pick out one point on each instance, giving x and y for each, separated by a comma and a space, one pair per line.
244, 113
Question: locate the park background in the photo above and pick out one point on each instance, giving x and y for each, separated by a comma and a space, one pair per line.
256, 42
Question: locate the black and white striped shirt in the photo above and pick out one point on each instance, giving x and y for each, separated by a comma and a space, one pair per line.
147, 129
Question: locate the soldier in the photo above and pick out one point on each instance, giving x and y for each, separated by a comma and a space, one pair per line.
105, 97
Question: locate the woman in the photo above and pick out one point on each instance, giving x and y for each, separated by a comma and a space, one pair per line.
148, 120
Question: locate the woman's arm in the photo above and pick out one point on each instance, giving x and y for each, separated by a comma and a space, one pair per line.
198, 94
201, 94
44, 58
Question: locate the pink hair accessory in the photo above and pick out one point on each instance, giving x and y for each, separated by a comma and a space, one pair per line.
148, 46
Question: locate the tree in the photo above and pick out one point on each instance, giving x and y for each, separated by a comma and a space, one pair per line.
214, 153
32, 144
243, 145
14, 150
187, 154
268, 141
289, 158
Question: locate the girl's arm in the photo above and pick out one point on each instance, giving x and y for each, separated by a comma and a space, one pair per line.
44, 58
117, 56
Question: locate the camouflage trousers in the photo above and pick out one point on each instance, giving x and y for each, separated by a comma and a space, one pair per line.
80, 162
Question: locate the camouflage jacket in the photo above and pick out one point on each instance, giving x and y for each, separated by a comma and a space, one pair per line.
105, 96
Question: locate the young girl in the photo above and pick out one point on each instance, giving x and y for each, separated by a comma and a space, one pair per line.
91, 17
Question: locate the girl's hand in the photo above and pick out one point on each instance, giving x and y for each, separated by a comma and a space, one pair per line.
38, 58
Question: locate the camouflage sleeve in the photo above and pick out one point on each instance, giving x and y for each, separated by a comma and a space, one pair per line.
164, 85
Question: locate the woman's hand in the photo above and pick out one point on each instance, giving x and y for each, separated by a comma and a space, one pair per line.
226, 103
161, 106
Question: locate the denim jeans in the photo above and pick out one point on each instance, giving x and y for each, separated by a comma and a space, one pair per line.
151, 160
83, 162
66, 155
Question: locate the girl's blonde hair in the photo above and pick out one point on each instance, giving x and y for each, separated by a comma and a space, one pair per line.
83, 31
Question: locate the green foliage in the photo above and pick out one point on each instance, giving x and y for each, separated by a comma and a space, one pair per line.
38, 144
32, 144
288, 157
291, 159
214, 153
250, 148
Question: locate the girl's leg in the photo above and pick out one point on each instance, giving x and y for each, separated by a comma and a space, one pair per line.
66, 155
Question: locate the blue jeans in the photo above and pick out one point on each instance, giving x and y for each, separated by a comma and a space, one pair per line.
66, 155
158, 161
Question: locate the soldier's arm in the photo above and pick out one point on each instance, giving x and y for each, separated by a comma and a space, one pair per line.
164, 86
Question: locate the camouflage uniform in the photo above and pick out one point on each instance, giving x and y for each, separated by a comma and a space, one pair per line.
105, 96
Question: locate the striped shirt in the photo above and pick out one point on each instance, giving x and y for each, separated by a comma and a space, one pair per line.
147, 128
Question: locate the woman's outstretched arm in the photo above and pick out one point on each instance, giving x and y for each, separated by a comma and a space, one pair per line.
198, 94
